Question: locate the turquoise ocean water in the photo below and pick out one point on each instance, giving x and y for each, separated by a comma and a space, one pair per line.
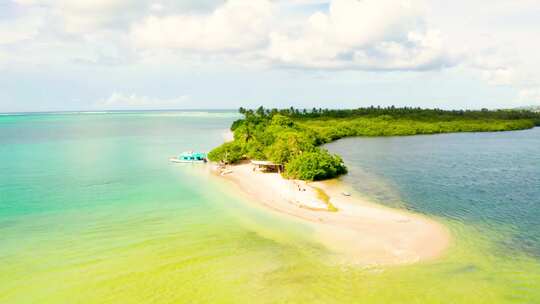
91, 211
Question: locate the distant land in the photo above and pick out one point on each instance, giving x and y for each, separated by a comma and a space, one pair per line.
530, 108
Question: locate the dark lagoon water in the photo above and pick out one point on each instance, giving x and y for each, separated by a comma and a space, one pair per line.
91, 211
488, 180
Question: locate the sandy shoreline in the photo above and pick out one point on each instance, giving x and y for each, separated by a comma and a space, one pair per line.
364, 232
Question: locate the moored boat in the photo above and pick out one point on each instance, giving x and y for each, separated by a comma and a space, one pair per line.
190, 157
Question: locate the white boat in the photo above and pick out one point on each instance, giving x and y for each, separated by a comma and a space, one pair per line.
190, 157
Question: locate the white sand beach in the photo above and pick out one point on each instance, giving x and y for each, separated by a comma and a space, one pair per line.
359, 230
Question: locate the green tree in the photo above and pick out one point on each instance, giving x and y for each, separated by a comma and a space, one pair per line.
288, 145
291, 136
316, 165
230, 152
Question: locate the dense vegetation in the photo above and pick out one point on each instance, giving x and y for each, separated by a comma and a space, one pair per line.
292, 137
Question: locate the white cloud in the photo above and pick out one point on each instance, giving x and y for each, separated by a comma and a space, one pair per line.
352, 34
529, 96
493, 40
498, 36
499, 64
302, 2
3, 58
493, 66
237, 25
19, 29
86, 16
125, 101
157, 7
364, 35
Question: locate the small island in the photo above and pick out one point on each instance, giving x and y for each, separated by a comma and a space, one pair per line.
292, 137
275, 158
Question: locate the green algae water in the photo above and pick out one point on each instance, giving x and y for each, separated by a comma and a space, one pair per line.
91, 211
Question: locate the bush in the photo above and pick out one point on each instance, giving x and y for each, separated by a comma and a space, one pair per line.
237, 123
287, 145
291, 137
317, 165
230, 152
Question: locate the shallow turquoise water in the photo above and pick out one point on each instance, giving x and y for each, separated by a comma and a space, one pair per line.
91, 211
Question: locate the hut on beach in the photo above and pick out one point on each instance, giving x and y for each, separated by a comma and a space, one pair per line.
266, 166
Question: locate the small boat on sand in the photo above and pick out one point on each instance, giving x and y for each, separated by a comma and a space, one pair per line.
190, 157
225, 172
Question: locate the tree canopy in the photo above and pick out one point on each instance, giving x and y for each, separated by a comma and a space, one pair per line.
292, 137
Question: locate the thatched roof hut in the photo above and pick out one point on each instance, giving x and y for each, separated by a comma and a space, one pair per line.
267, 166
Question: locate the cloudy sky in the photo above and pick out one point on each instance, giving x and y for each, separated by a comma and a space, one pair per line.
135, 54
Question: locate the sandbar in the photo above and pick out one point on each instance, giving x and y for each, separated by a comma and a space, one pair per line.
359, 230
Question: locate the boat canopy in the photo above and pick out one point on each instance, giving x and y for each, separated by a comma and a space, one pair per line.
193, 156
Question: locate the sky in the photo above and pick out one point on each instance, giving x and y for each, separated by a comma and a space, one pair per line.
73, 55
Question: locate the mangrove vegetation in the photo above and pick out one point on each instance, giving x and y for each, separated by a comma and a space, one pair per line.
293, 137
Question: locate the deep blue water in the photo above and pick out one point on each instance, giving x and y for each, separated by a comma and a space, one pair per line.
488, 180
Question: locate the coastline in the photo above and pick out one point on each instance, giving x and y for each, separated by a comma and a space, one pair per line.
359, 231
